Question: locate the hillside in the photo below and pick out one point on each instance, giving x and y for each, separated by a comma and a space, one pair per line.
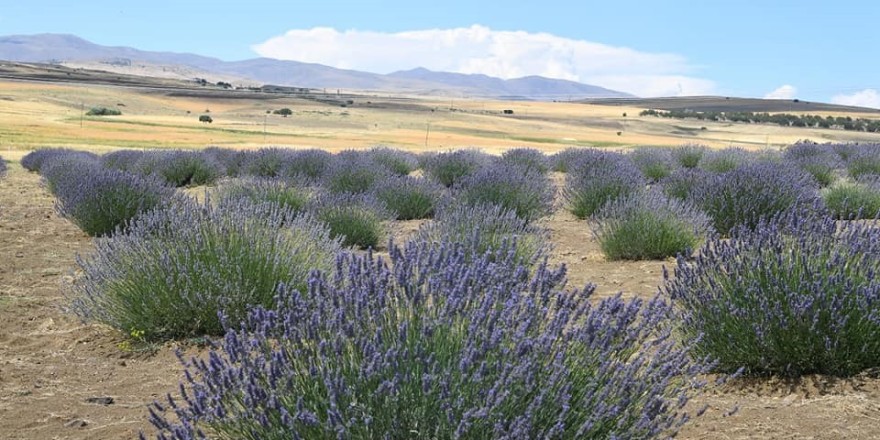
61, 49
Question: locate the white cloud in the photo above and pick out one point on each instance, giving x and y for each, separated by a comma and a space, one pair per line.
864, 98
783, 92
505, 54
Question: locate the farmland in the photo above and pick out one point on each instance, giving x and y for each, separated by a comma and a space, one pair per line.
57, 371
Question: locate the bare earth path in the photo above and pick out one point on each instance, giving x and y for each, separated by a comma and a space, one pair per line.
51, 364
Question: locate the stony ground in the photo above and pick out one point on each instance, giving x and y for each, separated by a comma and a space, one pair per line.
60, 379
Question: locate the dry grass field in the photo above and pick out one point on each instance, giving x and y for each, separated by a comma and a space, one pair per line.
51, 364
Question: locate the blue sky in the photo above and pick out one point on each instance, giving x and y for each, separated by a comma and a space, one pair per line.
820, 51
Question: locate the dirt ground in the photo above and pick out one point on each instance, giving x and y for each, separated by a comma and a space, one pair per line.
52, 366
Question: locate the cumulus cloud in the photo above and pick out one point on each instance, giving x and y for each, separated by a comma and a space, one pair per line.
864, 98
783, 92
504, 54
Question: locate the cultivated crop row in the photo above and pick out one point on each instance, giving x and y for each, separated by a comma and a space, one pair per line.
465, 330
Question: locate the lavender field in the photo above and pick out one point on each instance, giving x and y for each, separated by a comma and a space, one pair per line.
293, 293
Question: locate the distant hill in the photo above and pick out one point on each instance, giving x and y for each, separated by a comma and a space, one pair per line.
730, 104
60, 48
530, 87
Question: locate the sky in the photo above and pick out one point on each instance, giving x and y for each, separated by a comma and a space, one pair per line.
784, 49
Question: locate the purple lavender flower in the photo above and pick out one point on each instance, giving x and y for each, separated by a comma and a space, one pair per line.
448, 168
649, 226
353, 172
819, 160
528, 193
35, 160
307, 166
433, 344
530, 159
655, 163
753, 192
122, 160
728, 159
864, 160
798, 294
356, 219
180, 168
105, 201
410, 197
176, 268
396, 162
598, 177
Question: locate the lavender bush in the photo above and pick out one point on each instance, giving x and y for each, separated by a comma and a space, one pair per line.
35, 160
689, 155
122, 160
410, 197
396, 162
266, 162
598, 177
864, 161
307, 166
105, 201
563, 160
796, 295
264, 190
529, 159
181, 168
437, 344
750, 193
358, 220
655, 163
728, 159
681, 183
66, 169
353, 172
233, 161
648, 226
853, 200
487, 229
177, 268
819, 160
451, 167
528, 193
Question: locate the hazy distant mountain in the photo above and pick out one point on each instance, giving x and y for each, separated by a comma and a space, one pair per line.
69, 48
535, 87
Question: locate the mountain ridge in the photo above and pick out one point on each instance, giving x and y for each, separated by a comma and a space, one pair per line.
61, 48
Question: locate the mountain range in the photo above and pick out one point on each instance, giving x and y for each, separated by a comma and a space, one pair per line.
74, 51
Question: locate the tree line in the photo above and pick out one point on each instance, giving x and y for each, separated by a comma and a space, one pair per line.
781, 119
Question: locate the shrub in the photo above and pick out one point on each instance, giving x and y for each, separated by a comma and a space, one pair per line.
307, 166
722, 161
396, 162
750, 193
34, 160
864, 161
845, 150
648, 227
439, 345
597, 178
487, 229
528, 193
563, 160
262, 190
689, 156
181, 168
853, 200
3, 168
451, 167
105, 201
655, 163
103, 111
266, 162
797, 295
232, 160
682, 182
64, 170
177, 268
409, 197
820, 161
122, 160
355, 219
529, 159
353, 172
